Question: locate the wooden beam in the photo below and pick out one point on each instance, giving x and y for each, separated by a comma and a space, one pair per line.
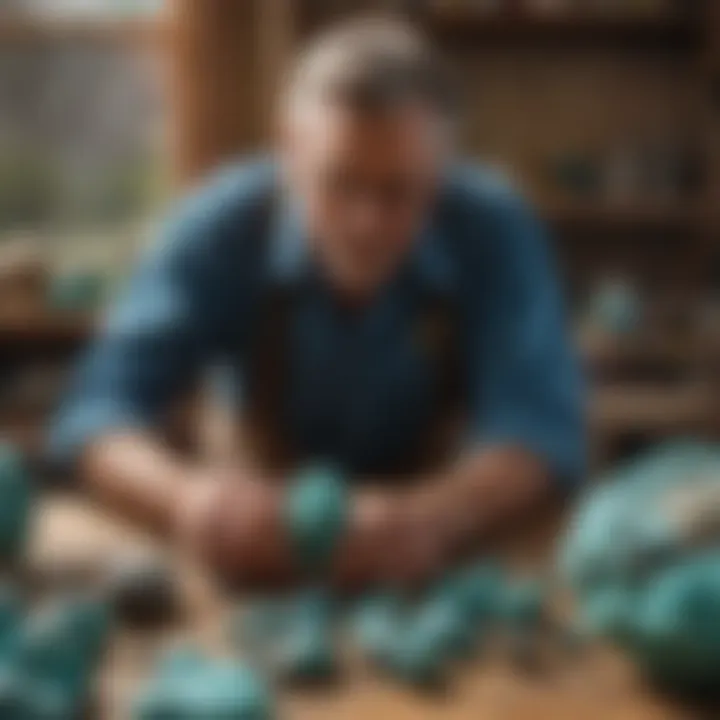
213, 71
276, 34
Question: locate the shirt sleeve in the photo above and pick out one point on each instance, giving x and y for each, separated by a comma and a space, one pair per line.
155, 339
525, 381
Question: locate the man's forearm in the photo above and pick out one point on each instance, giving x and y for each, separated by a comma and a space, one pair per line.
135, 476
240, 530
244, 534
486, 490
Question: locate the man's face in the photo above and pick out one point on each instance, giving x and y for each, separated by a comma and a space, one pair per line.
365, 182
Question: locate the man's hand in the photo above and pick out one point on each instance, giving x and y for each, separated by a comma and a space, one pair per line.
234, 524
394, 539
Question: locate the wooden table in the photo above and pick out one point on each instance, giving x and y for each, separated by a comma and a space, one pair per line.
597, 685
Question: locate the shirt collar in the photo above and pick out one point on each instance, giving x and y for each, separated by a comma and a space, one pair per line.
291, 262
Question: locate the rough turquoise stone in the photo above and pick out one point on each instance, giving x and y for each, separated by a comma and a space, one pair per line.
481, 587
77, 292
11, 616
679, 627
294, 635
622, 528
523, 604
16, 496
21, 698
60, 649
636, 579
306, 651
15, 694
181, 662
423, 649
418, 659
259, 623
616, 307
376, 623
612, 613
450, 622
416, 642
215, 691
316, 516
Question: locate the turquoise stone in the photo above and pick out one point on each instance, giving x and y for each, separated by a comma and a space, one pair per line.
11, 616
215, 691
636, 579
617, 308
481, 587
376, 623
679, 628
417, 642
293, 635
612, 613
316, 516
306, 652
523, 604
60, 649
77, 292
181, 662
16, 497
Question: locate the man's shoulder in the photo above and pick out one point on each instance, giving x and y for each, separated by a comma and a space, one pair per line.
480, 191
231, 194
209, 234
483, 218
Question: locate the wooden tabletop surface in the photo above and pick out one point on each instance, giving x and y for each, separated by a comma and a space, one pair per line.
595, 685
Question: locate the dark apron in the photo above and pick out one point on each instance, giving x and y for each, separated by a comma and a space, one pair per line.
267, 375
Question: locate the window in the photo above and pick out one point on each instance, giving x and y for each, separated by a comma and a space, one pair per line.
82, 162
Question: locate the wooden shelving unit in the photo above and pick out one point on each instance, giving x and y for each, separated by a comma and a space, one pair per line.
563, 30
652, 410
645, 218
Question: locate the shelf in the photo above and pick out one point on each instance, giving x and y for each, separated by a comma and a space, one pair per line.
651, 409
44, 332
606, 352
19, 30
487, 31
600, 216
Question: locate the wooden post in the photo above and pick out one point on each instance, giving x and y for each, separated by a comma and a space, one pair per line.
212, 83
225, 58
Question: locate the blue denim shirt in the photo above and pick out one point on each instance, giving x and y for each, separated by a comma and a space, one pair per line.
360, 392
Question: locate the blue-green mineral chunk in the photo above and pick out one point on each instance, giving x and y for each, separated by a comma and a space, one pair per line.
679, 628
306, 652
216, 691
612, 613
434, 632
181, 662
524, 604
76, 291
15, 501
481, 585
316, 515
60, 648
377, 621
294, 635
11, 614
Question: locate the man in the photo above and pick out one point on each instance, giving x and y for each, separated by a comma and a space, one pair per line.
381, 307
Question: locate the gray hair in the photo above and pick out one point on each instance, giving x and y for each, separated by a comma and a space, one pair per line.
372, 64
